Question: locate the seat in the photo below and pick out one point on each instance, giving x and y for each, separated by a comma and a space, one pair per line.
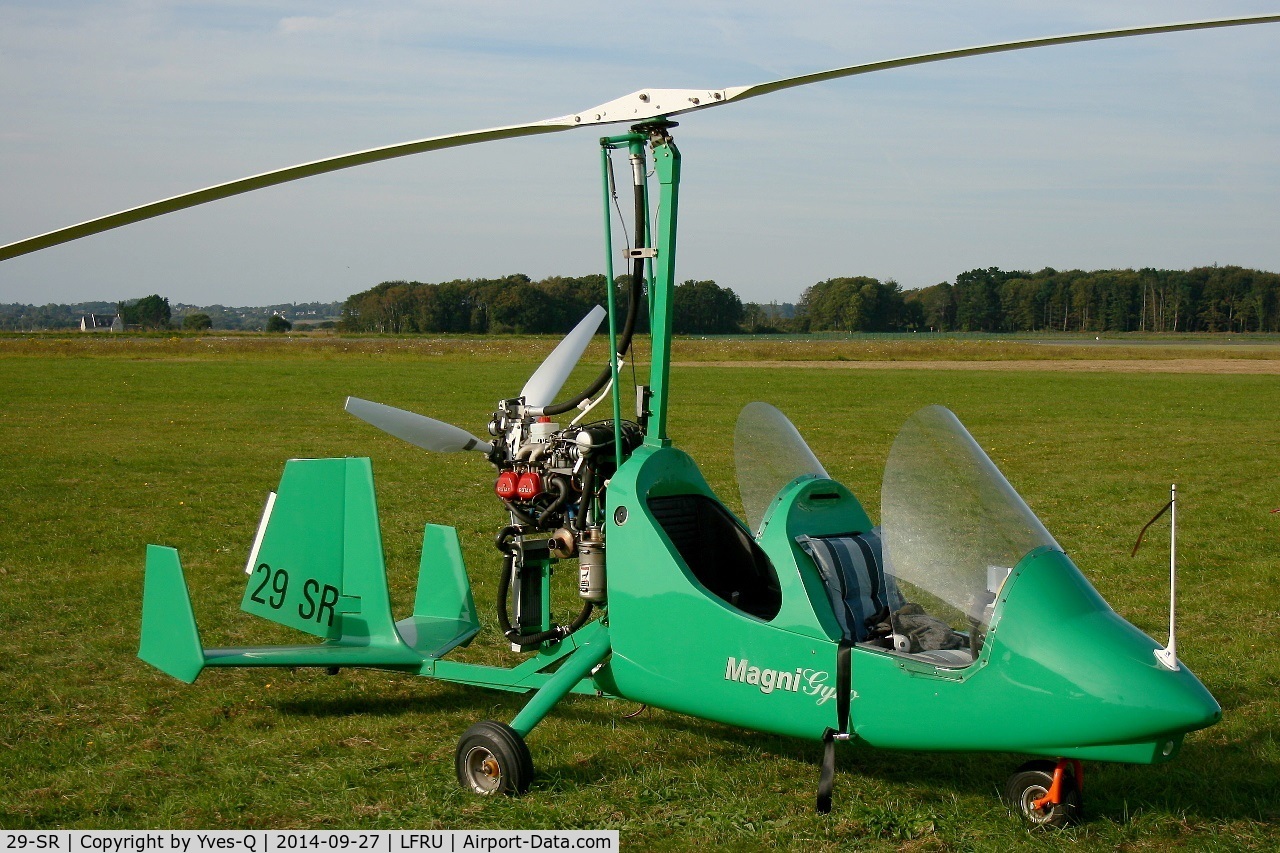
719, 553
851, 566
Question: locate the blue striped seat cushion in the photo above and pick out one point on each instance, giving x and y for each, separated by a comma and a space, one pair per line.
852, 570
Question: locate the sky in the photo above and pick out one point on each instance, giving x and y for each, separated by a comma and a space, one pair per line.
1156, 151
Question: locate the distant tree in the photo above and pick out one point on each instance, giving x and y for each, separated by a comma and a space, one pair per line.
706, 308
278, 324
197, 322
149, 312
937, 307
977, 297
754, 320
518, 307
858, 304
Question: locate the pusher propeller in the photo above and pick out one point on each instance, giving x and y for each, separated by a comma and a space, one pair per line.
636, 107
549, 378
539, 391
418, 430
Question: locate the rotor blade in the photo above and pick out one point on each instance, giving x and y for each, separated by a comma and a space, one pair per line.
418, 430
549, 378
279, 176
636, 107
738, 93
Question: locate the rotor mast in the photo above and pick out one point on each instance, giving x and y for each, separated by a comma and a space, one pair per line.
655, 249
666, 161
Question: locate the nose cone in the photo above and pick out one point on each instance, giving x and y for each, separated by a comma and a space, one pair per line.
1058, 638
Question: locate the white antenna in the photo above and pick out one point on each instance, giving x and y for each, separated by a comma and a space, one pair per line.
1168, 656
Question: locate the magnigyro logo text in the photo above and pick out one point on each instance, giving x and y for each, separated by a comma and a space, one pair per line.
810, 682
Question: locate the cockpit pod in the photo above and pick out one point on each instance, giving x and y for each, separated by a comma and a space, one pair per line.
995, 640
971, 628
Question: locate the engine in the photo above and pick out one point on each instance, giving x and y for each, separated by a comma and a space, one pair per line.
552, 482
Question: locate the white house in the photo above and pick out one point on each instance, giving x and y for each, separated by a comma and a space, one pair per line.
101, 323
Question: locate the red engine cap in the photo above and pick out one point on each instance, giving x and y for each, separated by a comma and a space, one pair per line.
530, 485
506, 485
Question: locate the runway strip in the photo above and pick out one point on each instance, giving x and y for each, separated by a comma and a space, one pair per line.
1169, 365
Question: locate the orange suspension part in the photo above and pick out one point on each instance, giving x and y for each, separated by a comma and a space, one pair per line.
1054, 795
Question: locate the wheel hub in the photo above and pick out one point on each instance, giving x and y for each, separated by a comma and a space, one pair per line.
1029, 797
484, 774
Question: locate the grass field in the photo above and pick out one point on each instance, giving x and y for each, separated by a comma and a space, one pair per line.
109, 444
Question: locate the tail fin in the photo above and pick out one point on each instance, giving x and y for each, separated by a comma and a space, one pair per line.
319, 568
170, 640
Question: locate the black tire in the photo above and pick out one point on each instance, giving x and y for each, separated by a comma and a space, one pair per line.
492, 758
1031, 782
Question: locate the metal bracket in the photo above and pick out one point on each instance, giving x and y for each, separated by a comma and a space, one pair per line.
632, 254
650, 103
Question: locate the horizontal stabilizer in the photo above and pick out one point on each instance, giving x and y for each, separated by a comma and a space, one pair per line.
320, 654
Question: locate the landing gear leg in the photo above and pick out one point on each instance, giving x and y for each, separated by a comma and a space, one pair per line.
492, 757
1047, 794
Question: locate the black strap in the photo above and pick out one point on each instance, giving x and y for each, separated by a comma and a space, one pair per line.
844, 676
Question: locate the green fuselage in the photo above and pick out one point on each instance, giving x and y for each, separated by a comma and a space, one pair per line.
1060, 673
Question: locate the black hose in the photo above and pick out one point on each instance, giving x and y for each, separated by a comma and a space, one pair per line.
562, 497
504, 588
554, 634
521, 516
581, 620
584, 505
500, 541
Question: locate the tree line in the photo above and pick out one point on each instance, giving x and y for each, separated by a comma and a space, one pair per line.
517, 304
1208, 299
148, 312
1204, 299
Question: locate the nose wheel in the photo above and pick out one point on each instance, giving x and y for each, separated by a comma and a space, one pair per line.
1047, 794
492, 758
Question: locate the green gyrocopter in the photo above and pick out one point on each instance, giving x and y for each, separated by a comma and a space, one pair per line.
805, 619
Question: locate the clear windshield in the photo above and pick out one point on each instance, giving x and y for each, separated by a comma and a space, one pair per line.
768, 453
953, 527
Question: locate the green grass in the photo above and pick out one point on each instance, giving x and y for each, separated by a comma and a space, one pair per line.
831, 347
111, 445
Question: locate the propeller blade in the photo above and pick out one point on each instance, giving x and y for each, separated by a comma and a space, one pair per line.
418, 430
636, 107
549, 378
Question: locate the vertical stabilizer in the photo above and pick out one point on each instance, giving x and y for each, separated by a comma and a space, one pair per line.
319, 568
170, 640
444, 612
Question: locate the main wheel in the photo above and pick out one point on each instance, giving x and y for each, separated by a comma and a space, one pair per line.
1030, 783
492, 758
